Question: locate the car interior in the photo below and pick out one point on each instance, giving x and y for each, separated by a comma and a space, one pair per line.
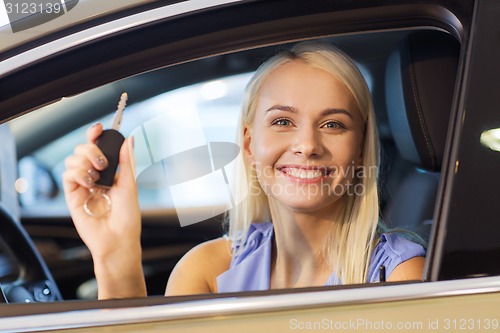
411, 74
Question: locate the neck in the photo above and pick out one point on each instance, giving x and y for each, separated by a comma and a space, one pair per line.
297, 256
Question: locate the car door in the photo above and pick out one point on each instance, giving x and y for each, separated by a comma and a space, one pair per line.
457, 250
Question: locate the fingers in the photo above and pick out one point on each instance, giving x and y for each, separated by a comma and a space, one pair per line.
93, 154
83, 167
94, 132
80, 170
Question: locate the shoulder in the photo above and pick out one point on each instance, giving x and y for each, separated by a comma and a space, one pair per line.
411, 269
402, 258
397, 247
255, 238
198, 269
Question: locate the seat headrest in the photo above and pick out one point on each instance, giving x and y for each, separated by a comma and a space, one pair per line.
420, 80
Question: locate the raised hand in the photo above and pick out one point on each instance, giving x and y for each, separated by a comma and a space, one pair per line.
114, 238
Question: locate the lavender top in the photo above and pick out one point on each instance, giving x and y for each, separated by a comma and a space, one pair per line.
250, 269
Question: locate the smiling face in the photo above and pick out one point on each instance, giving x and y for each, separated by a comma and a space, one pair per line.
305, 140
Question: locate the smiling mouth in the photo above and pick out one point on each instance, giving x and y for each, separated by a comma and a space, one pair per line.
306, 173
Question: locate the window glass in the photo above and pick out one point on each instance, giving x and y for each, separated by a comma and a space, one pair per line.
182, 119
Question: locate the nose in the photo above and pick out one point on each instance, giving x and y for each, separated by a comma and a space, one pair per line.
307, 142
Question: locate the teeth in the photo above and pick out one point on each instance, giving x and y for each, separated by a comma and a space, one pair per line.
304, 174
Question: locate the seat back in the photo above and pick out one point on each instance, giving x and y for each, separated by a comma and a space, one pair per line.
420, 80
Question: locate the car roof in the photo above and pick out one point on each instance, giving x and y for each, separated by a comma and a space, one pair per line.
87, 11
24, 33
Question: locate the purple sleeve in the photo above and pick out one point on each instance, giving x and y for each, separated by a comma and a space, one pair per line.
250, 268
391, 251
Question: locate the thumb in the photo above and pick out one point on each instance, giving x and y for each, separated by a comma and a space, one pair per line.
127, 162
94, 132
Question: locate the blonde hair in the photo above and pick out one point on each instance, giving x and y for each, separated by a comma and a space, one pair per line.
351, 240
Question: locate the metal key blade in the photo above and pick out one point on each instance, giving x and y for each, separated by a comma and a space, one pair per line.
117, 118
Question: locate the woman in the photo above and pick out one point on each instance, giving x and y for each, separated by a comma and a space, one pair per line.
309, 140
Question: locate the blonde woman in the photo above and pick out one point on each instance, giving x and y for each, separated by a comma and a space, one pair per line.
311, 217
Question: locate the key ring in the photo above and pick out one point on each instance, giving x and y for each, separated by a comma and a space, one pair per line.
95, 199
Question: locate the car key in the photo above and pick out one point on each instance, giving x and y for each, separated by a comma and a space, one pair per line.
110, 141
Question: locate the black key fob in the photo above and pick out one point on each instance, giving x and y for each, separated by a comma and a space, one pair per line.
110, 143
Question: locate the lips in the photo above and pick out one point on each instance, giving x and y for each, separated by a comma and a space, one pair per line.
306, 174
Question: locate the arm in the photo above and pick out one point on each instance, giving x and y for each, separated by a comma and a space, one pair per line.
197, 271
411, 269
113, 239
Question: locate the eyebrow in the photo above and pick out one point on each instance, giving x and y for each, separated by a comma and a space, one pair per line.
326, 112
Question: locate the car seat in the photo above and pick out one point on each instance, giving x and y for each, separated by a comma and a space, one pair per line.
420, 80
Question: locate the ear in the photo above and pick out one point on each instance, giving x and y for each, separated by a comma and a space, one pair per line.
247, 144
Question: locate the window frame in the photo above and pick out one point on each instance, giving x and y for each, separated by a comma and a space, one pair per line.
348, 18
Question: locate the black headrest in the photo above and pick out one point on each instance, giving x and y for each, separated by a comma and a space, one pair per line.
420, 80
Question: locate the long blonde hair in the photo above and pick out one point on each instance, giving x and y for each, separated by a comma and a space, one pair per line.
351, 240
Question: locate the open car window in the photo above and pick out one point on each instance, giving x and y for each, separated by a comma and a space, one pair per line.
184, 121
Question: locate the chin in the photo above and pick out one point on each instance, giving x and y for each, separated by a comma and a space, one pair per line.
308, 205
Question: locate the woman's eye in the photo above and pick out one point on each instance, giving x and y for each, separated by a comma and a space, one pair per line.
282, 122
334, 125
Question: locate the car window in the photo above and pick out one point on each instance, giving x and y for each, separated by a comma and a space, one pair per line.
182, 119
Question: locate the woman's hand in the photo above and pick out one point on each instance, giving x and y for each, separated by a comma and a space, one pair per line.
113, 239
